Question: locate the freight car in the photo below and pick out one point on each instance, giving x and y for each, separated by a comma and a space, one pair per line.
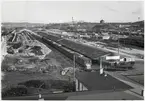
81, 60
87, 57
134, 41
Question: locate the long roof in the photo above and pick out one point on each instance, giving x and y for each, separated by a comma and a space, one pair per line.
95, 81
88, 51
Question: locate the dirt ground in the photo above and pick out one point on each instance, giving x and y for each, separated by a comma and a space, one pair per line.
54, 60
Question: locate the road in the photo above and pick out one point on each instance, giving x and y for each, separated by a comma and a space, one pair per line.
137, 87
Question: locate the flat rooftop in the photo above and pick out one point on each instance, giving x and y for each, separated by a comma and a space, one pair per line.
95, 81
88, 51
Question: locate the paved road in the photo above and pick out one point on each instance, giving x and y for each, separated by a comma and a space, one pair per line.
137, 87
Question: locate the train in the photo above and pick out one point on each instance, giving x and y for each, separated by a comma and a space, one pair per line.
81, 60
85, 62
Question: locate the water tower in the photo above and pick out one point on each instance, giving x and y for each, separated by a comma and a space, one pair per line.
102, 21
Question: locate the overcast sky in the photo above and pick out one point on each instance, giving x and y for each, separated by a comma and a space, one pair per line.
63, 11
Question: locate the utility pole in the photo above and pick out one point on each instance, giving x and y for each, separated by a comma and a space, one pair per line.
118, 42
60, 26
74, 57
72, 24
72, 20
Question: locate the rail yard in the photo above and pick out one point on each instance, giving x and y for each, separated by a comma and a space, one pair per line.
47, 66
78, 50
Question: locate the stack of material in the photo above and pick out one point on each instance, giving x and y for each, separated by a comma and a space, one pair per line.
27, 45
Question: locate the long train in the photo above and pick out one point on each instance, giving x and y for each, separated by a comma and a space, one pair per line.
82, 60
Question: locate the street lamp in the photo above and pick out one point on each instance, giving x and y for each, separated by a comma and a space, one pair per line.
118, 41
74, 57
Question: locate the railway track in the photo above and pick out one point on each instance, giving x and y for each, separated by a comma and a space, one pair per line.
48, 45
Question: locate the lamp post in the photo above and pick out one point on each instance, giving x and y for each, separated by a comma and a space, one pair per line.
74, 81
118, 42
74, 57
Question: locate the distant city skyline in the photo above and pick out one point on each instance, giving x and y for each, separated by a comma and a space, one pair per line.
63, 11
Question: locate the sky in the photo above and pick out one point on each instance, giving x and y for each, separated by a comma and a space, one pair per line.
63, 11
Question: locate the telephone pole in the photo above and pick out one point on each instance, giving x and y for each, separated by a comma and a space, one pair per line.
118, 42
74, 57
